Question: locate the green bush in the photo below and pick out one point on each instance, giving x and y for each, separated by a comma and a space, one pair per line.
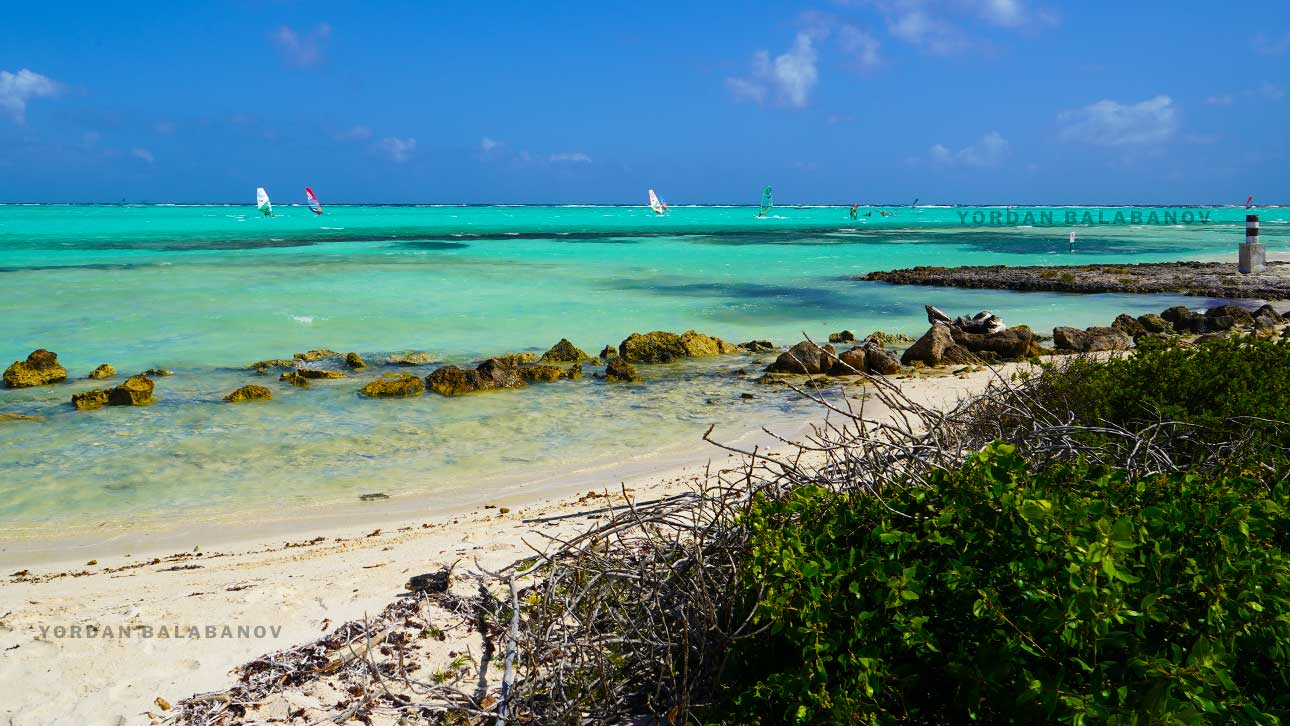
1002, 594
1230, 387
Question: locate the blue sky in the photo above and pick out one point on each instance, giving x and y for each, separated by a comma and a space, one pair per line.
951, 101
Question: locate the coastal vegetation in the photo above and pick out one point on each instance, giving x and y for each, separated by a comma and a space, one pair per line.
1096, 540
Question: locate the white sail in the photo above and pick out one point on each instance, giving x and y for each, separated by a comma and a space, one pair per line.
262, 201
654, 203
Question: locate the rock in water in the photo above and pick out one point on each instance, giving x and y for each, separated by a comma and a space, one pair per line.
544, 373
262, 367
805, 357
249, 393
355, 361
846, 336
134, 391
565, 352
656, 347
886, 339
699, 345
413, 358
90, 400
519, 359
849, 363
294, 378
158, 372
620, 371
573, 372
316, 355
937, 347
492, 374
757, 346
18, 417
609, 352
103, 371
395, 385
311, 373
40, 368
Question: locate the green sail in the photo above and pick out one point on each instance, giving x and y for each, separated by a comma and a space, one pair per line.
767, 201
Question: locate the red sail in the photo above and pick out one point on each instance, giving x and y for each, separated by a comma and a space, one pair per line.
315, 206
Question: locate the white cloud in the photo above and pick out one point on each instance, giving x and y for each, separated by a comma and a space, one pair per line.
358, 133
988, 152
1109, 123
861, 45
142, 154
305, 50
936, 26
399, 150
1264, 45
575, 157
16, 89
792, 75
486, 144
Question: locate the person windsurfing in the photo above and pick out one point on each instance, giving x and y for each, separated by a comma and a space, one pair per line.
855, 210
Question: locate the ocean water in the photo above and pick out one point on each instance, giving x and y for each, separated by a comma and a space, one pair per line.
206, 290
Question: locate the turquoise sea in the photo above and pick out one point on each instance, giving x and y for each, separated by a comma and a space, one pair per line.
205, 290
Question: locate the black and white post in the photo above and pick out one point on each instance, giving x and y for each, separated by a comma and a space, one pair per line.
1254, 255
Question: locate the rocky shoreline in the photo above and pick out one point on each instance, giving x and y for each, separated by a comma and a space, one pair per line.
1204, 279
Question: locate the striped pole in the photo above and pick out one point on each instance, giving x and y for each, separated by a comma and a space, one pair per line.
1253, 256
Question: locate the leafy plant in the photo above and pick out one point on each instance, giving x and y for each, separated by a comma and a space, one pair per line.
1003, 594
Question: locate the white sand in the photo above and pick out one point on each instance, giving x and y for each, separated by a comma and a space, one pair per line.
250, 579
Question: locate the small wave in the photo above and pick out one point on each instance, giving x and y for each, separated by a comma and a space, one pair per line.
303, 319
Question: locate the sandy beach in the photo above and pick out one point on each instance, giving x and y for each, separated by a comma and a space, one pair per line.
257, 593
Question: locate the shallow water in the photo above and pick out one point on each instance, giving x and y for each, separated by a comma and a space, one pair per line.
205, 290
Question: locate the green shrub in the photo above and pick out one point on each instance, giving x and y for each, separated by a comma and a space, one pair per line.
1000, 594
1229, 388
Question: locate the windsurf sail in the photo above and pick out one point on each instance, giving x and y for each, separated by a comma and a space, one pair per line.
915, 203
767, 201
655, 204
262, 202
1071, 242
315, 206
1249, 202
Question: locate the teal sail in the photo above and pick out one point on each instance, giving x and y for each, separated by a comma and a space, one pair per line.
767, 201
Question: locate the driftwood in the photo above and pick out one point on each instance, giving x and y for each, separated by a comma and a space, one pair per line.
984, 322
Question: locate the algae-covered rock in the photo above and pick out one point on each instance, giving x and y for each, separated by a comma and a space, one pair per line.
573, 372
565, 352
1129, 325
312, 373
355, 361
845, 336
294, 378
887, 339
90, 400
410, 358
1155, 324
620, 371
103, 371
492, 374
699, 345
264, 366
543, 373
395, 385
450, 381
40, 368
656, 347
158, 372
519, 359
249, 393
757, 346
5, 417
134, 391
316, 355
609, 352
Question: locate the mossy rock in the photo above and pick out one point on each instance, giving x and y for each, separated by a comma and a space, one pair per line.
608, 353
542, 373
395, 385
620, 371
103, 371
658, 346
450, 381
158, 372
249, 393
757, 346
573, 372
411, 358
518, 359
134, 391
565, 352
700, 345
264, 366
5, 417
317, 354
845, 336
355, 361
41, 368
313, 373
90, 400
295, 379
